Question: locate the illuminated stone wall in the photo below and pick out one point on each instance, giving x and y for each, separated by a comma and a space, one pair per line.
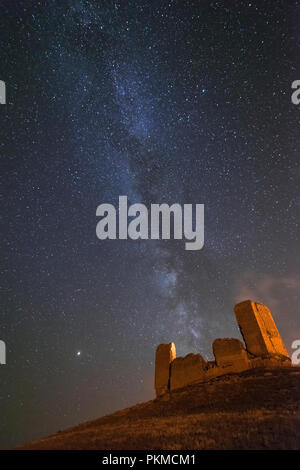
263, 348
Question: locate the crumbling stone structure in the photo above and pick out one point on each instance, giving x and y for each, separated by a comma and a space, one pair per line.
165, 355
264, 348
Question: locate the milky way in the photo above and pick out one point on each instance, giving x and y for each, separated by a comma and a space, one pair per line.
162, 101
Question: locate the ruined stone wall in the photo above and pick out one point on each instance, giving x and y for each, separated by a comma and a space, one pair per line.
263, 348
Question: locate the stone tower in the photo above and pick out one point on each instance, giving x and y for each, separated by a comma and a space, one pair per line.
165, 354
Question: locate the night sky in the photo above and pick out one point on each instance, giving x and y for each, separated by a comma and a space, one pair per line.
162, 101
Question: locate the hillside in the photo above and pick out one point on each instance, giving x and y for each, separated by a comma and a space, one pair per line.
252, 410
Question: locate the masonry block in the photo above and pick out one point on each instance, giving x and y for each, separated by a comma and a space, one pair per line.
186, 370
165, 354
230, 352
258, 329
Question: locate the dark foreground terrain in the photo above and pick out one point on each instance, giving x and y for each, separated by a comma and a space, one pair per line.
252, 410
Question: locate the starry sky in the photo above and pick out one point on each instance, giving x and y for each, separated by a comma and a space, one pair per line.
163, 101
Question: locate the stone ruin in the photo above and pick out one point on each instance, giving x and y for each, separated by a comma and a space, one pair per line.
264, 348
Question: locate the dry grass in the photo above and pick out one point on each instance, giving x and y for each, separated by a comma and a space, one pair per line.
258, 410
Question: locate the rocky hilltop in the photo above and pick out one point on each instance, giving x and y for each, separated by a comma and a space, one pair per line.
248, 398
255, 409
